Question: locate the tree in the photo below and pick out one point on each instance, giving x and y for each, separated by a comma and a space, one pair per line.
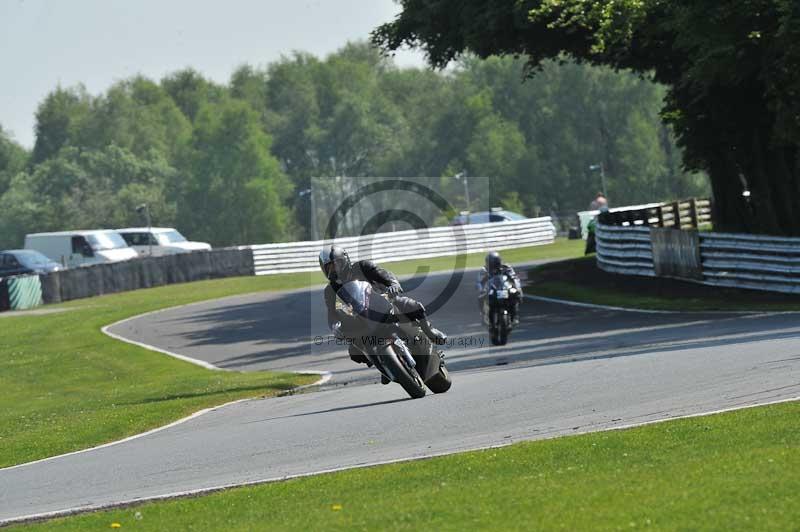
730, 70
138, 115
190, 90
85, 189
57, 117
21, 212
233, 190
13, 159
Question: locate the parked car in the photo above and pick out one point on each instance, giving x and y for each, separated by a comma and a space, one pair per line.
24, 262
485, 217
81, 248
158, 241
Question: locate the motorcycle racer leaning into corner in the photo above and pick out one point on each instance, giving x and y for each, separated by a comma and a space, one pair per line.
493, 265
335, 264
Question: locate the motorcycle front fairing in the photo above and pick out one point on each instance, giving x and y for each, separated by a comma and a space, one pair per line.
373, 313
500, 287
500, 292
380, 329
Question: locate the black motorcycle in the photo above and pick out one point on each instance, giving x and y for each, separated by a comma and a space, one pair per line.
498, 306
397, 348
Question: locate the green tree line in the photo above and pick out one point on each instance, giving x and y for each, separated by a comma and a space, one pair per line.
225, 162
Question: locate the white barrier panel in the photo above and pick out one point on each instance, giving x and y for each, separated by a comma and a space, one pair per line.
291, 257
586, 217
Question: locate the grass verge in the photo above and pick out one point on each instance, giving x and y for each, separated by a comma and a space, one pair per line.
732, 471
66, 386
580, 280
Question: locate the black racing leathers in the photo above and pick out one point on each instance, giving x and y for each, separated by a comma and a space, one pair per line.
365, 270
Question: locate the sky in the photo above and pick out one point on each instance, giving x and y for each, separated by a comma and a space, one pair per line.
46, 43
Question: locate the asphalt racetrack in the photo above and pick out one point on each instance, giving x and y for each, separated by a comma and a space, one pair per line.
566, 370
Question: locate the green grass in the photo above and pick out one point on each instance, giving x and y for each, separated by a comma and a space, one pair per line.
732, 471
66, 386
580, 280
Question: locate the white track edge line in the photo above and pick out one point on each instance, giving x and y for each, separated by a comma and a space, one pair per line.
325, 377
124, 440
209, 490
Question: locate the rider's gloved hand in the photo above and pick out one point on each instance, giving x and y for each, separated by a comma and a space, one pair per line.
394, 289
336, 329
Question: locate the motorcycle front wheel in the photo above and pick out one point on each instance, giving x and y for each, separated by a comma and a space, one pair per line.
501, 326
404, 375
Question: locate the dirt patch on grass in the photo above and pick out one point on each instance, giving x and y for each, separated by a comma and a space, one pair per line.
581, 279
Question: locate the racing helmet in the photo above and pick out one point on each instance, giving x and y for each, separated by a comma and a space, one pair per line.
493, 262
334, 263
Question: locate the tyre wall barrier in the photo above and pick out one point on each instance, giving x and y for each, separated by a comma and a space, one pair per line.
402, 245
754, 262
147, 272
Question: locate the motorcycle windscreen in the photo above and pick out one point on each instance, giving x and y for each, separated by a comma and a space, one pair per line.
500, 288
364, 302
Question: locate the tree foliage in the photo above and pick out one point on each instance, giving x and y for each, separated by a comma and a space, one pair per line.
13, 159
730, 69
225, 162
231, 188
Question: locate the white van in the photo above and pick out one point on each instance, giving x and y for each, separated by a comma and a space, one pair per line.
159, 241
81, 248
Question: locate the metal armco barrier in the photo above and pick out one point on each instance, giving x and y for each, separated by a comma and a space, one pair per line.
90, 281
625, 250
732, 260
412, 244
751, 261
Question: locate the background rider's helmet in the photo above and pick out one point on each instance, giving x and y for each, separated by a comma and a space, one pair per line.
334, 263
493, 262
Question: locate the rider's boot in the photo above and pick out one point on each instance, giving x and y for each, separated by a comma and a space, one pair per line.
434, 335
384, 379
